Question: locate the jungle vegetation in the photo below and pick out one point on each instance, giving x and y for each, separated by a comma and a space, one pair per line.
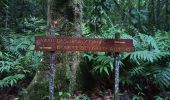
144, 73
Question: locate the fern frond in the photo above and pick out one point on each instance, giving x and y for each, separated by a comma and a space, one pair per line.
162, 77
17, 56
5, 66
11, 80
148, 56
163, 40
104, 59
88, 56
148, 40
126, 80
137, 71
17, 44
101, 69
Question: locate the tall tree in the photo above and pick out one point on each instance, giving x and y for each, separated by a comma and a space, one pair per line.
6, 15
167, 15
121, 11
67, 15
158, 14
129, 11
151, 15
77, 6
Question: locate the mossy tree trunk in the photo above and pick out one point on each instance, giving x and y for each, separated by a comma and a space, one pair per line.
67, 14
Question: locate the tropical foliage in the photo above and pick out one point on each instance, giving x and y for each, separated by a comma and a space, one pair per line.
144, 73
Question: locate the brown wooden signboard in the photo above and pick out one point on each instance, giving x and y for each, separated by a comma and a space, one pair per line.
49, 43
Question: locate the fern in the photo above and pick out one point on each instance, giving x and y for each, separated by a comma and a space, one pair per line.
139, 70
102, 64
17, 44
5, 66
102, 69
148, 56
136, 97
148, 41
88, 56
150, 52
10, 80
161, 75
126, 80
163, 40
146, 49
104, 59
17, 59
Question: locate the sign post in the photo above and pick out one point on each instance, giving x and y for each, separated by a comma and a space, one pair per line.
51, 73
52, 65
116, 77
52, 44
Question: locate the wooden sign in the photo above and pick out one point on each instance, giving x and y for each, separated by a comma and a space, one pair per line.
49, 43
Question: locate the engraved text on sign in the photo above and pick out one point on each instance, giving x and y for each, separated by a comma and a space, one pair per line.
47, 43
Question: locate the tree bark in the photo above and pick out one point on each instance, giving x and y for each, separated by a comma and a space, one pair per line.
48, 14
158, 14
121, 12
6, 16
78, 17
63, 13
129, 12
151, 16
77, 6
167, 15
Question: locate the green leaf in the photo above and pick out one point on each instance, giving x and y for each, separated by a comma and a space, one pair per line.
106, 70
111, 65
60, 93
1, 55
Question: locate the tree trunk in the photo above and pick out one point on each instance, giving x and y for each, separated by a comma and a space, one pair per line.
158, 14
38, 88
77, 5
78, 17
129, 12
63, 13
121, 12
6, 16
151, 15
167, 15
123, 15
48, 14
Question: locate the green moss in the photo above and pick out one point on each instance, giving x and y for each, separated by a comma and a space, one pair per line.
62, 73
37, 90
